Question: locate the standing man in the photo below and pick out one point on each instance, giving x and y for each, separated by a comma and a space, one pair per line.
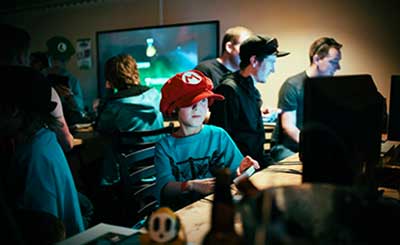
240, 113
15, 51
229, 60
325, 56
60, 51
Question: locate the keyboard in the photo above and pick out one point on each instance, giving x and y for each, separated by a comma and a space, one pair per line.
390, 152
388, 145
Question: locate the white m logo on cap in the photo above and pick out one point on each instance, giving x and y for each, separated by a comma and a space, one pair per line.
191, 77
62, 47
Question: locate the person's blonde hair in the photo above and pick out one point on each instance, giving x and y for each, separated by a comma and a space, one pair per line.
122, 72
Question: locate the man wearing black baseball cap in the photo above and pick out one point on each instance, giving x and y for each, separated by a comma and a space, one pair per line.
240, 113
60, 50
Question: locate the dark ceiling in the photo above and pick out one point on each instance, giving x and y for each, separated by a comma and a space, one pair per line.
15, 6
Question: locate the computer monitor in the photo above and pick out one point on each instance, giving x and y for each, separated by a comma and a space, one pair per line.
341, 135
160, 51
394, 109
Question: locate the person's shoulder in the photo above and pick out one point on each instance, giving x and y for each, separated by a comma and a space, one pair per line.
299, 77
206, 63
45, 134
165, 140
209, 128
151, 91
44, 142
229, 81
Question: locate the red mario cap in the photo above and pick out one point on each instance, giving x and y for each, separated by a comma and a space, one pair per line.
185, 89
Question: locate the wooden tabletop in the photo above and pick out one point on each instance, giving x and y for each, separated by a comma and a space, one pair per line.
196, 216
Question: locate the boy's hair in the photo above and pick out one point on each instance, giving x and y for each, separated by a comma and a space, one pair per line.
321, 47
185, 89
14, 41
122, 72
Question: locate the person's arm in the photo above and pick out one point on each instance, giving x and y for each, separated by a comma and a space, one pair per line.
202, 186
288, 102
246, 163
288, 121
75, 85
167, 185
64, 136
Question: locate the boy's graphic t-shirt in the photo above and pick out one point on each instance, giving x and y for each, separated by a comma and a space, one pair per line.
196, 156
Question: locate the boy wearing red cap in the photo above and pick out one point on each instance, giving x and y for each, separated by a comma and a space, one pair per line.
187, 160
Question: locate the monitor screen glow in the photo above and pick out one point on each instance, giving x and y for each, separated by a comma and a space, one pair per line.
160, 51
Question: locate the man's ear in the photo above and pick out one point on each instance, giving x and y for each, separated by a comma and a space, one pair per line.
253, 61
229, 47
316, 58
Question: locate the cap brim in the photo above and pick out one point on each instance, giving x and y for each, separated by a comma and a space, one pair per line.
206, 94
282, 53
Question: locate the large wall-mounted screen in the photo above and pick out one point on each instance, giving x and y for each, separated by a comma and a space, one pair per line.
160, 51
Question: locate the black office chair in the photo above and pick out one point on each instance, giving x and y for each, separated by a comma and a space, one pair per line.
135, 159
128, 141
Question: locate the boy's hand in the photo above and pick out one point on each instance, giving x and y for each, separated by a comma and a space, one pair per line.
203, 186
246, 163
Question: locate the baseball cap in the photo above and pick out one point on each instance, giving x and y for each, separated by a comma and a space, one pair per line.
185, 89
60, 48
26, 88
260, 45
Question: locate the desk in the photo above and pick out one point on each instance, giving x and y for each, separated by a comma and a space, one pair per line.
196, 216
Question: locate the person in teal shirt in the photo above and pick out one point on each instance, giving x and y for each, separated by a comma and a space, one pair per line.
187, 160
132, 107
38, 176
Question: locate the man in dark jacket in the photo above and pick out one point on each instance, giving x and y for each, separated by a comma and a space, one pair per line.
240, 113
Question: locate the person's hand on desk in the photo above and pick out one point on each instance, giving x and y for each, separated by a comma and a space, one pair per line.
270, 114
203, 186
245, 164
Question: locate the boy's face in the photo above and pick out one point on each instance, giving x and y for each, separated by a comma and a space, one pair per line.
194, 115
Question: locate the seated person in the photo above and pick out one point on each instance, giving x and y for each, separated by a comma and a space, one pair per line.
325, 56
38, 177
186, 161
131, 107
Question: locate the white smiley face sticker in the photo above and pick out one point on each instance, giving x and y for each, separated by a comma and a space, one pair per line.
62, 47
191, 78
